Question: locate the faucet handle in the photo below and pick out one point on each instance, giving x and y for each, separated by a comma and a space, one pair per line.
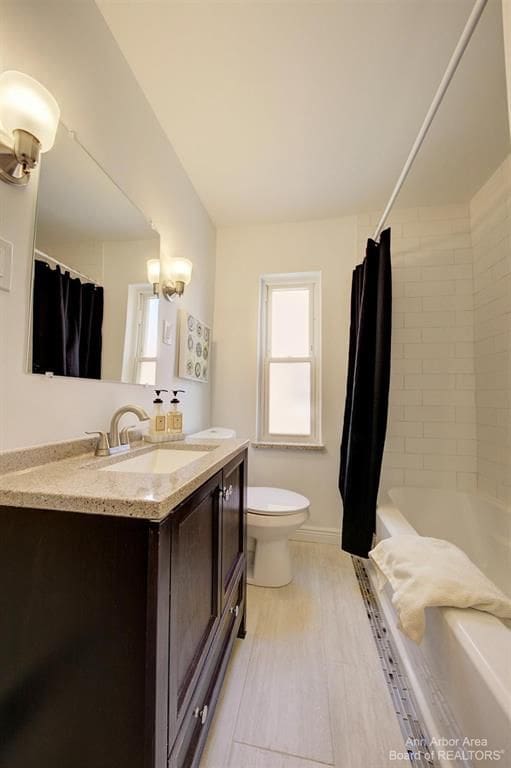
102, 445
124, 434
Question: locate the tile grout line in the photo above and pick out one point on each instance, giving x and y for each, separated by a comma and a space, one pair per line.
401, 693
247, 666
311, 760
326, 662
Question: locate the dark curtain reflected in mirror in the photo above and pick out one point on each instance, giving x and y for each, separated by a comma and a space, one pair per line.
67, 324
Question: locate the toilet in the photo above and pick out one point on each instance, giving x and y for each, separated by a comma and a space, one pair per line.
214, 433
273, 515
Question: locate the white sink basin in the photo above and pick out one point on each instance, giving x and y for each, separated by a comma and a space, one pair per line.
157, 462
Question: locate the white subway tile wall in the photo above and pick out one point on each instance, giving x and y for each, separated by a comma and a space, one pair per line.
432, 349
450, 417
490, 212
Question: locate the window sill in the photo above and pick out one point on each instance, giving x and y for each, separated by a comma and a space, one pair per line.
289, 446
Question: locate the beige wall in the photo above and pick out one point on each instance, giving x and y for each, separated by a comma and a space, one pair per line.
490, 212
85, 256
102, 102
243, 255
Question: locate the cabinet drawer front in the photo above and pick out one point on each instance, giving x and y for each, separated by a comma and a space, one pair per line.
193, 732
233, 522
194, 594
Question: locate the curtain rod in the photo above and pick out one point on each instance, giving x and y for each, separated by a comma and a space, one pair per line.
464, 40
45, 257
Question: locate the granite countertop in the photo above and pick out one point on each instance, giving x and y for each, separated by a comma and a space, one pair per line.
67, 476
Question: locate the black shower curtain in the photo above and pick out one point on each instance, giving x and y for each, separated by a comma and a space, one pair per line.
67, 324
367, 392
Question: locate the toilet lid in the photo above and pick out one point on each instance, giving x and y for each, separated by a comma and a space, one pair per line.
275, 501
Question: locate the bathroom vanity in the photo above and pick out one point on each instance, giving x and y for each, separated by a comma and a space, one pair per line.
121, 595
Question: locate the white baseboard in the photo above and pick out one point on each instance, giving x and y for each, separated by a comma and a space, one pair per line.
317, 535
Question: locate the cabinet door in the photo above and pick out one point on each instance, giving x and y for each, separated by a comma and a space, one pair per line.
192, 735
233, 522
194, 592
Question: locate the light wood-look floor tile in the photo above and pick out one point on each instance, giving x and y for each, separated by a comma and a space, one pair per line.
285, 702
364, 725
244, 756
219, 743
306, 684
359, 697
346, 631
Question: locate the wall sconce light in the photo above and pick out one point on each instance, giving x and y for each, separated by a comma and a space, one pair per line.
180, 275
29, 116
153, 274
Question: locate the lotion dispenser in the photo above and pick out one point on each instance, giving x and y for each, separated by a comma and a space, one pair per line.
175, 416
157, 428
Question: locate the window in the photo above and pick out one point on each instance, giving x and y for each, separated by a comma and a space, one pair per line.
147, 341
289, 359
141, 338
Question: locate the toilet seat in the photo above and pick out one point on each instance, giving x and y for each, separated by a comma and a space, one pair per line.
256, 520
275, 501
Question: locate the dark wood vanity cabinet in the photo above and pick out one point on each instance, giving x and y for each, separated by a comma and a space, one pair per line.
115, 633
207, 606
233, 528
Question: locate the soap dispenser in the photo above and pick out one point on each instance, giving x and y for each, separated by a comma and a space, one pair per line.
157, 427
175, 417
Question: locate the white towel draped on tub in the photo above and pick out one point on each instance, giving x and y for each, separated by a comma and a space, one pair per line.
425, 572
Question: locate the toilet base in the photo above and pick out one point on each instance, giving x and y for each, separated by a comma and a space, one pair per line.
273, 516
271, 565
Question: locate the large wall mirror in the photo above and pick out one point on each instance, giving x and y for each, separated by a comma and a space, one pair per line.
94, 315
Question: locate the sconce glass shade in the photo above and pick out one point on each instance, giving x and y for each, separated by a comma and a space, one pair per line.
153, 271
180, 270
26, 105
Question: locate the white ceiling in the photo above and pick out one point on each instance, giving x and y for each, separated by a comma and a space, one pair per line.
296, 110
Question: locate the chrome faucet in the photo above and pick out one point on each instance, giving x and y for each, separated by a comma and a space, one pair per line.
113, 437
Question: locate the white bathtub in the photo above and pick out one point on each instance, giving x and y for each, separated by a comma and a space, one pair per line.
461, 672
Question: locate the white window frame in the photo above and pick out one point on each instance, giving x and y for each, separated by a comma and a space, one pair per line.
137, 293
143, 296
289, 281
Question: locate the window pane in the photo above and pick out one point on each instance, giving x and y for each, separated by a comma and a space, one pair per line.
289, 333
149, 347
147, 372
289, 399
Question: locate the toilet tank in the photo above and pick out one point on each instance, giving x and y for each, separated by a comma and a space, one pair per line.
215, 433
